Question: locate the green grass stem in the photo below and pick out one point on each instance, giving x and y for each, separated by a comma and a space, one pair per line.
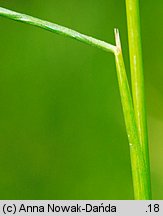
136, 154
137, 79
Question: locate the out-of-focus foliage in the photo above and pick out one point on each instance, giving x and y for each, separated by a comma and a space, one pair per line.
62, 133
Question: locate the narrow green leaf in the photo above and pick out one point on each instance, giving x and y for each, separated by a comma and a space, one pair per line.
56, 29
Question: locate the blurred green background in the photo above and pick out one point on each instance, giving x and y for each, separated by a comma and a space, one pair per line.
62, 133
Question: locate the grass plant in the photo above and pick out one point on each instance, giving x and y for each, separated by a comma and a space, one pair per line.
133, 106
